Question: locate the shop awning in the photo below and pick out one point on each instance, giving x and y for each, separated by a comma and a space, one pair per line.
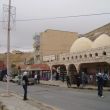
40, 66
43, 67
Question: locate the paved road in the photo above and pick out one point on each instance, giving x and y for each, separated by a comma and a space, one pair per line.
64, 98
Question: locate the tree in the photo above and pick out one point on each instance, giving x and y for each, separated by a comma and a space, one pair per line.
36, 44
14, 70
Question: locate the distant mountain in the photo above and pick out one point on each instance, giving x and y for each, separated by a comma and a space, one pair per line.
97, 32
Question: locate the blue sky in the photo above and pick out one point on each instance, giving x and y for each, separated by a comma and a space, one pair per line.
23, 32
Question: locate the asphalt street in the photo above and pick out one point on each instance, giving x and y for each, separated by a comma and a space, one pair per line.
64, 98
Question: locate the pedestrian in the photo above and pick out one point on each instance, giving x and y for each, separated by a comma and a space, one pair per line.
35, 78
78, 80
68, 81
84, 79
63, 77
106, 78
100, 82
38, 78
25, 84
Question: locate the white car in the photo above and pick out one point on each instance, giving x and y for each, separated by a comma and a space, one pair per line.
15, 80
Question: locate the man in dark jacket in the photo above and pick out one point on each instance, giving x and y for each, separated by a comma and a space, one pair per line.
100, 82
25, 84
78, 80
38, 78
68, 81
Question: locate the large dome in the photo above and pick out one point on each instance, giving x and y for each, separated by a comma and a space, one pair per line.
81, 44
102, 40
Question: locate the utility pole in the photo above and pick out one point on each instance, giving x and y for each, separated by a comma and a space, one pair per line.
8, 46
9, 14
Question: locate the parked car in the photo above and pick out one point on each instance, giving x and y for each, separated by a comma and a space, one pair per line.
5, 78
31, 81
18, 80
15, 79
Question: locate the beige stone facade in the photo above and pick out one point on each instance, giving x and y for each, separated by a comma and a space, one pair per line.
68, 52
66, 48
85, 55
54, 42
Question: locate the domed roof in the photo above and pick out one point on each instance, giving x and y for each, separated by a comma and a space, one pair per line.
102, 40
81, 44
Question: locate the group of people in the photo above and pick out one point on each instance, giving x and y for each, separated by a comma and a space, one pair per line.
101, 80
79, 79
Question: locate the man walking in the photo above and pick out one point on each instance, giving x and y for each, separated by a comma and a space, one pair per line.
78, 80
100, 82
38, 78
35, 78
68, 81
25, 84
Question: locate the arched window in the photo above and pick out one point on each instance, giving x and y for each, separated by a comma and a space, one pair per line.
90, 55
85, 56
76, 57
104, 53
72, 57
80, 56
96, 54
68, 58
63, 58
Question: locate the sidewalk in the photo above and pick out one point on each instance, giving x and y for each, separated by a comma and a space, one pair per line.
63, 84
15, 102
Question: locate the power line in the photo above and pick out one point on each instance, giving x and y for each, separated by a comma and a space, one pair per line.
63, 17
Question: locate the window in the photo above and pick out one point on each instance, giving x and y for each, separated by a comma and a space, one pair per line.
104, 53
72, 57
85, 56
80, 56
68, 58
90, 55
63, 58
76, 57
96, 54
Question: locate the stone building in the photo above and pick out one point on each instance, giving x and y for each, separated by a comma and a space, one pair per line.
69, 53
56, 42
86, 56
85, 52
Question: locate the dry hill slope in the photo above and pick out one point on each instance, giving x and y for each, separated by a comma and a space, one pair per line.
97, 32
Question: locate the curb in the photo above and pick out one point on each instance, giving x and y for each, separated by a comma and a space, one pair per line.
50, 85
88, 88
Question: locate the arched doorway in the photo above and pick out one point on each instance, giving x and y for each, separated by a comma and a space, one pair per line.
72, 72
91, 69
59, 72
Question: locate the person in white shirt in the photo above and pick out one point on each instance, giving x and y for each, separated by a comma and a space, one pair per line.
35, 78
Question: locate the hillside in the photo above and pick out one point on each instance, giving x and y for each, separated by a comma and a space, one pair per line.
18, 58
97, 32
